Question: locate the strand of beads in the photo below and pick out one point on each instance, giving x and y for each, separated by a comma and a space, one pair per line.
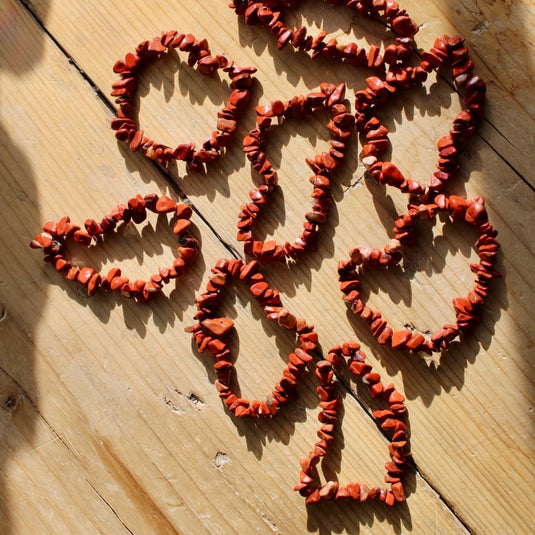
340, 128
447, 51
211, 333
198, 51
468, 309
56, 235
391, 421
269, 15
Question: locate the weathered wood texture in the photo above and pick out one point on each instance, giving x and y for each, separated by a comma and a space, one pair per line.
110, 420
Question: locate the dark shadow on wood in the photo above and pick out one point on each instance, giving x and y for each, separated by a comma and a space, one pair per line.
19, 396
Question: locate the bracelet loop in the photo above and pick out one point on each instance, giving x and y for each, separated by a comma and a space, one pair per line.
391, 421
446, 51
125, 89
211, 330
56, 235
340, 128
468, 309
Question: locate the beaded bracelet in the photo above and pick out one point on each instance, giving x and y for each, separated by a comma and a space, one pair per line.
198, 54
446, 50
269, 15
392, 421
340, 128
55, 236
468, 309
211, 330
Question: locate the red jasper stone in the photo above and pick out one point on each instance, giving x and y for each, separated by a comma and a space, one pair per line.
181, 226
165, 205
398, 492
400, 338
85, 274
218, 326
415, 341
476, 213
42, 240
135, 211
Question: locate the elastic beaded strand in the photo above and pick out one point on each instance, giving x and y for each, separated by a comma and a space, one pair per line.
340, 128
468, 309
392, 422
446, 51
211, 331
125, 89
56, 235
269, 15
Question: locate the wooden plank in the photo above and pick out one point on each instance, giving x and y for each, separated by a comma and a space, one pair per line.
38, 469
154, 455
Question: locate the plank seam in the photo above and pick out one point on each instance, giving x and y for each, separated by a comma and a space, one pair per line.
109, 506
488, 143
57, 436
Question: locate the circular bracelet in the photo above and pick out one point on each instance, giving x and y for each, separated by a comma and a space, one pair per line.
468, 309
269, 15
446, 50
211, 331
198, 54
56, 235
391, 421
340, 128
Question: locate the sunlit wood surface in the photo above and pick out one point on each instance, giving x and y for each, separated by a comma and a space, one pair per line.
109, 418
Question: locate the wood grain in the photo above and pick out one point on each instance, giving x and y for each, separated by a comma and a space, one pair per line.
110, 419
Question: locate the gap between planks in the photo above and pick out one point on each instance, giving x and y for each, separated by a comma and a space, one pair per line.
22, 392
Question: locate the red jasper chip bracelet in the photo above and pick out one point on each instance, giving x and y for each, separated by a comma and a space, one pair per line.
198, 54
269, 15
340, 128
210, 333
446, 51
56, 235
468, 309
391, 421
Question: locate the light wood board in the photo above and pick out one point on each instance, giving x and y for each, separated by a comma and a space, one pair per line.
109, 418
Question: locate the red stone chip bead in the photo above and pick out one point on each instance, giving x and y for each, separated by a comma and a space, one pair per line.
269, 14
211, 331
340, 128
391, 421
56, 235
199, 55
447, 51
468, 309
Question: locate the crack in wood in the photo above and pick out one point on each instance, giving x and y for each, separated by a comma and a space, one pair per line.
3, 313
109, 506
357, 183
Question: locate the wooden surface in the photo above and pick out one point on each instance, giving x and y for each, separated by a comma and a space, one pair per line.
110, 421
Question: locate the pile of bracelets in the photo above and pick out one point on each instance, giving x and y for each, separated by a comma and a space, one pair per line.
398, 69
